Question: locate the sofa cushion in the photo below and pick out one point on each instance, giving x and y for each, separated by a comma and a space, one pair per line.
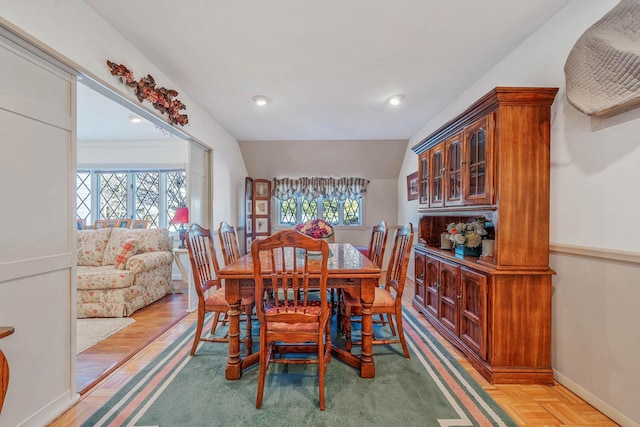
149, 240
129, 249
104, 277
153, 240
91, 246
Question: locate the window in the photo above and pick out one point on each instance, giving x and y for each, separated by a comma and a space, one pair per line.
296, 211
147, 195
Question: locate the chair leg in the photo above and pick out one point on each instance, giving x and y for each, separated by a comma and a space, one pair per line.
327, 342
339, 312
398, 317
225, 319
382, 321
393, 329
199, 326
263, 367
214, 325
321, 371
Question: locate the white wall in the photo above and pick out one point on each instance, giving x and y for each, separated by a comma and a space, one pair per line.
144, 154
74, 34
594, 204
89, 52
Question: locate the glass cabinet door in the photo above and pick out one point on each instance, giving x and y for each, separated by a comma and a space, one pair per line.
453, 161
436, 187
478, 176
423, 177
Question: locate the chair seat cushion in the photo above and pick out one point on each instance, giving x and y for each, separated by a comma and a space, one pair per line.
292, 327
382, 299
313, 308
216, 298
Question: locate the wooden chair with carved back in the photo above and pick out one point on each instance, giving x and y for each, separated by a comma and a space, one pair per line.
228, 242
375, 253
210, 292
290, 322
378, 243
388, 299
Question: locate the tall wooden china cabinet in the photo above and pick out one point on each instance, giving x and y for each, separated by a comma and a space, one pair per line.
491, 162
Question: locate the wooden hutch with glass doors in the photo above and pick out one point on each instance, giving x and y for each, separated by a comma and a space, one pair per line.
490, 162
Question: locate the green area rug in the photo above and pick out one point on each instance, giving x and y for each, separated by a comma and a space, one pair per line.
430, 389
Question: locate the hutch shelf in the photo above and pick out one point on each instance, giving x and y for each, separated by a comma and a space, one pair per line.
492, 162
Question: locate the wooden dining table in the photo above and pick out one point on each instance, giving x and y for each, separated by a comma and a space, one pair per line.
347, 269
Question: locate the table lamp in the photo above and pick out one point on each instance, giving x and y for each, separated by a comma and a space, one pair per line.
181, 217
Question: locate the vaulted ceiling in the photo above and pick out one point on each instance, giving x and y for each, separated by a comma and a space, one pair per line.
327, 66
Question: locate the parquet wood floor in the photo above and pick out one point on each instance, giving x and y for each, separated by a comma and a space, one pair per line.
150, 322
528, 405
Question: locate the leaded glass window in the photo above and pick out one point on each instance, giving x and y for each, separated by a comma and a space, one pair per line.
148, 195
288, 211
296, 211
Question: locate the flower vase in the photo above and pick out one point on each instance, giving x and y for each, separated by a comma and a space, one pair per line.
462, 250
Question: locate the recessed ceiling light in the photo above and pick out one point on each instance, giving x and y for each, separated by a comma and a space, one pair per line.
395, 100
261, 100
134, 119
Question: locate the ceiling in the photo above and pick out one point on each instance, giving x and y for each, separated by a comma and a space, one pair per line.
327, 66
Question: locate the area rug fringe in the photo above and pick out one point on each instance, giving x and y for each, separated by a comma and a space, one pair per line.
450, 396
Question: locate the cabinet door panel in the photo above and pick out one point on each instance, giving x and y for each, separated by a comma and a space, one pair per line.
423, 177
453, 175
473, 310
477, 176
437, 173
419, 279
449, 294
432, 285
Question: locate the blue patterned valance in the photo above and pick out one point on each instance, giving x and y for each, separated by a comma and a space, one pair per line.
312, 188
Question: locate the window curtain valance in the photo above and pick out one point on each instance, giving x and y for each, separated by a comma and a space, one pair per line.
312, 188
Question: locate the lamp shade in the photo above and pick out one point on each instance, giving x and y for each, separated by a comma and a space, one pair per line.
181, 216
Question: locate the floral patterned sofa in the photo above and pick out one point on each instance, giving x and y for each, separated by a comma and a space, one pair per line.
121, 270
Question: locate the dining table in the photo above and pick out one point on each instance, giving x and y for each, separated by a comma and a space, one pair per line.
347, 269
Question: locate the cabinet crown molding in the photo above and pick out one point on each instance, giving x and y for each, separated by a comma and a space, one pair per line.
501, 95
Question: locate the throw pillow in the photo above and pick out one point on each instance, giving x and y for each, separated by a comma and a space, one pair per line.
114, 246
129, 249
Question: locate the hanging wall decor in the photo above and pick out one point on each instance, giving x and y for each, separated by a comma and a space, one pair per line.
163, 99
602, 71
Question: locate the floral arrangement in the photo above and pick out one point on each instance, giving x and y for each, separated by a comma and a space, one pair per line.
316, 228
164, 100
468, 234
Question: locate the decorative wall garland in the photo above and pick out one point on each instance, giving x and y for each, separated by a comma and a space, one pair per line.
163, 99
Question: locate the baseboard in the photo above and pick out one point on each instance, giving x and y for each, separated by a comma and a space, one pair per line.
53, 410
594, 401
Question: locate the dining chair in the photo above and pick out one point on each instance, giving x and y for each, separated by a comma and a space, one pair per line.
292, 324
387, 299
210, 292
377, 243
228, 242
375, 253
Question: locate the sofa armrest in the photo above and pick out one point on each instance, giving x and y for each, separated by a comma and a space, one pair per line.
149, 260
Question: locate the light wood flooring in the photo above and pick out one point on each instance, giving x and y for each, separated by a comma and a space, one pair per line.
95, 363
528, 405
